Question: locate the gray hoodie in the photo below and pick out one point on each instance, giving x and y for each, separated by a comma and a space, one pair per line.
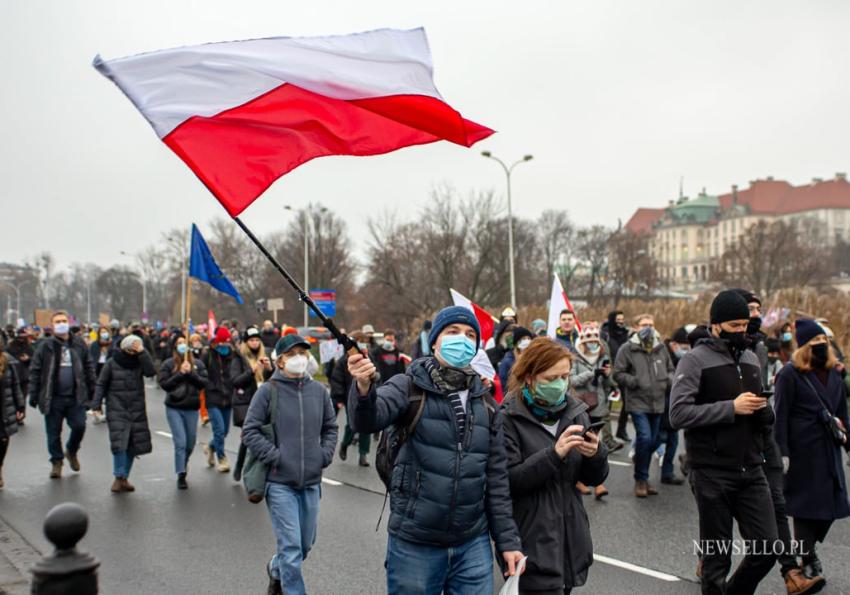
646, 375
305, 428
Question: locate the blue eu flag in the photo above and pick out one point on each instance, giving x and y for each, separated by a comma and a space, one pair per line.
202, 266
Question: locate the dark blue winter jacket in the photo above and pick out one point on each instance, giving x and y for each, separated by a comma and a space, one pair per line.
446, 489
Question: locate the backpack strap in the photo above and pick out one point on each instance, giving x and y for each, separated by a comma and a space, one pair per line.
408, 420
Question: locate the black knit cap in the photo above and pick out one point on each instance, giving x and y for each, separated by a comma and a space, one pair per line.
520, 332
748, 295
728, 305
680, 335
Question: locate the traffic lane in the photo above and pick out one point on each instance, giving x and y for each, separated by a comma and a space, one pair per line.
210, 539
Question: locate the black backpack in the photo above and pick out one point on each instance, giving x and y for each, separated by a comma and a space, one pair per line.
394, 437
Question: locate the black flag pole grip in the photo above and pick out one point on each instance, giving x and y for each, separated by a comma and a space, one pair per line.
348, 345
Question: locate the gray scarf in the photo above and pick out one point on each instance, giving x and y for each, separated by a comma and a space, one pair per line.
450, 380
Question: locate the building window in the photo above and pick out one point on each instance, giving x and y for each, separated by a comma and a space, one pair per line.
684, 272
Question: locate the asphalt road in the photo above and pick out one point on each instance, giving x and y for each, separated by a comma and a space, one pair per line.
210, 539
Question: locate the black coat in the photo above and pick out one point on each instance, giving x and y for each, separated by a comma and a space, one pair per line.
182, 391
23, 352
94, 352
11, 396
244, 387
340, 380
122, 386
45, 368
815, 486
219, 391
547, 508
388, 363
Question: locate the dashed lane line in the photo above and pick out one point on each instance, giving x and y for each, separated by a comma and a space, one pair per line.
635, 568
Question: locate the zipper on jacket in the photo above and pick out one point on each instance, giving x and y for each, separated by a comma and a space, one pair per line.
458, 455
301, 411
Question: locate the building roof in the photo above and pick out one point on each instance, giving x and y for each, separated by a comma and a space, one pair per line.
700, 210
643, 220
778, 197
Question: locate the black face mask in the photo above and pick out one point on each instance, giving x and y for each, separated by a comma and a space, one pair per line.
819, 354
754, 326
772, 359
736, 341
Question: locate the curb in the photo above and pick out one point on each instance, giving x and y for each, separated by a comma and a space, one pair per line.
17, 556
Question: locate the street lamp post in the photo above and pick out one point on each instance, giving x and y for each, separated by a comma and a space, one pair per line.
17, 289
508, 171
306, 255
141, 273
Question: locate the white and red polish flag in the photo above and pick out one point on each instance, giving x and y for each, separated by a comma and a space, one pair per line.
241, 114
558, 302
485, 320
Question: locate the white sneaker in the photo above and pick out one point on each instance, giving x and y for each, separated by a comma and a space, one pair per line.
632, 454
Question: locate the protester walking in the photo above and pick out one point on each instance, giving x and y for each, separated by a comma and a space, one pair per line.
811, 430
548, 453
716, 398
304, 441
340, 383
121, 387
591, 381
449, 489
219, 396
644, 368
387, 357
21, 349
12, 403
61, 384
182, 377
248, 370
521, 339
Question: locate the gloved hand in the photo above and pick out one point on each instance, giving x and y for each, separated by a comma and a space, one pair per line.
786, 463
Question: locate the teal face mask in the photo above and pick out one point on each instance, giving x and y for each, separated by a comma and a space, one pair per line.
551, 393
457, 350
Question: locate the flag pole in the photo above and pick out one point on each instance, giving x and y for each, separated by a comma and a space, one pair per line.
343, 339
188, 301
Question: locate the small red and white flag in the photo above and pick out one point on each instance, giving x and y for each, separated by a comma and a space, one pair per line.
558, 302
485, 319
241, 114
211, 324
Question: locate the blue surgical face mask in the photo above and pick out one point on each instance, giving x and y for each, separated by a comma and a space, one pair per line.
223, 349
457, 350
786, 337
61, 328
182, 349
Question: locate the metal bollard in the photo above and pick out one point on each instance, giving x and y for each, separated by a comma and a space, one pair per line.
66, 570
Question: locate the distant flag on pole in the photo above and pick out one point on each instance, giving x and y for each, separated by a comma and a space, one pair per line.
211, 324
203, 266
485, 319
558, 301
241, 114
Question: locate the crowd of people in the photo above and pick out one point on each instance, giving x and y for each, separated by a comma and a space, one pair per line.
471, 458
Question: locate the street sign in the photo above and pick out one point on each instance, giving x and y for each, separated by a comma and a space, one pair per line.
325, 300
274, 304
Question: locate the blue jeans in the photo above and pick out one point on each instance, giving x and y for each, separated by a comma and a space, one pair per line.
647, 426
416, 569
294, 515
184, 429
220, 422
670, 440
64, 409
121, 464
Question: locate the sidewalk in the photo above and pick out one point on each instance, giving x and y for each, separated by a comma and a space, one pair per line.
16, 557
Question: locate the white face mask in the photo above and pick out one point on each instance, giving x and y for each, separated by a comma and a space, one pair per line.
296, 365
523, 343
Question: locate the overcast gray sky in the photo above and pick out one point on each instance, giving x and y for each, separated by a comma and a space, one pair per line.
616, 100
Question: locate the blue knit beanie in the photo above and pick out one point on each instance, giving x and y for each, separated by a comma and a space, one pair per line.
807, 330
453, 315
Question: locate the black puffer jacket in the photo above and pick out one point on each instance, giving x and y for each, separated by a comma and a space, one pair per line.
183, 391
547, 508
11, 396
445, 489
45, 368
244, 387
122, 386
22, 351
219, 384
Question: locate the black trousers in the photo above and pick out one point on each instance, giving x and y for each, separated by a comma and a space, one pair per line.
810, 532
724, 495
4, 446
787, 559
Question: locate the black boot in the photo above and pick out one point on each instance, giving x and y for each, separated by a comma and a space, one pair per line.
181, 481
343, 451
274, 584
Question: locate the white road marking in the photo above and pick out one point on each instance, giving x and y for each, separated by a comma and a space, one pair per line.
635, 568
166, 434
331, 482
620, 463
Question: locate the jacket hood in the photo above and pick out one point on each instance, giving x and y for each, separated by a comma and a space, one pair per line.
419, 375
279, 376
500, 330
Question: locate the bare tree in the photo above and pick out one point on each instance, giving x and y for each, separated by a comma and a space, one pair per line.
593, 251
632, 270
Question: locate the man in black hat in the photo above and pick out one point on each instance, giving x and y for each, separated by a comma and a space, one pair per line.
717, 398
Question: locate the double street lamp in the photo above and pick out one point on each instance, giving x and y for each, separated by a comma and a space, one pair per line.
508, 171
17, 289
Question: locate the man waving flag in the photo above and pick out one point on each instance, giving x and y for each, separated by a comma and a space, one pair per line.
241, 114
